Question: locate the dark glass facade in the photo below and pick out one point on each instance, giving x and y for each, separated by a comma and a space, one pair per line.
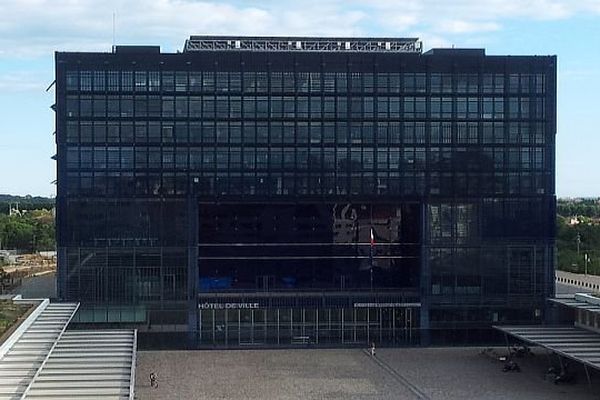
274, 197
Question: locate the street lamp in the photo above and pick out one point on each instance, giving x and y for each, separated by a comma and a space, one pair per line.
586, 259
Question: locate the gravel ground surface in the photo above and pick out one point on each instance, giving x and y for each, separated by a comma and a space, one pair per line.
429, 373
37, 287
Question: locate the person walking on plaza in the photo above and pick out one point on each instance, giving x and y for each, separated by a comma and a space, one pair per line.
153, 380
373, 349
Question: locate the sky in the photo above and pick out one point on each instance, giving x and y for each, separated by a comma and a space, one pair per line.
32, 30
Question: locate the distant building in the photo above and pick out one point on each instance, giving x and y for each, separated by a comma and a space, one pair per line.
278, 191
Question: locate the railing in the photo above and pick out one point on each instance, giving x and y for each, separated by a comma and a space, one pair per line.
588, 282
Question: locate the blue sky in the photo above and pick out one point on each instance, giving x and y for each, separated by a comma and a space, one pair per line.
31, 30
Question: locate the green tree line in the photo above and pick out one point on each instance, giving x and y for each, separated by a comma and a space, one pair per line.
567, 243
25, 203
578, 207
31, 231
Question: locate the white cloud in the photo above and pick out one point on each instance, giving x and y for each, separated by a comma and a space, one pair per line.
459, 26
36, 28
22, 81
459, 17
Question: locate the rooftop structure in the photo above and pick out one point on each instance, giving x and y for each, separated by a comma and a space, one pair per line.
318, 44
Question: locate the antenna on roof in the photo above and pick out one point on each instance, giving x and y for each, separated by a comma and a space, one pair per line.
113, 31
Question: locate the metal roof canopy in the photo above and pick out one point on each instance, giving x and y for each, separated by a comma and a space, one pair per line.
44, 360
31, 344
577, 344
99, 364
573, 303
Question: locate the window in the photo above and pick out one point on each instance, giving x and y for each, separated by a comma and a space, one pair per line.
436, 107
181, 107
99, 132
222, 84
262, 107
355, 82
195, 132
262, 82
368, 107
222, 107
446, 107
72, 135
513, 83
72, 157
329, 132
99, 106
126, 132
368, 82
141, 106
249, 82
276, 106
235, 132
341, 82
302, 132
276, 82
208, 107
85, 81
288, 82
208, 81
181, 132
472, 108
249, 133
141, 132
99, 83
235, 107
127, 106
276, 132
382, 107
315, 132
540, 83
415, 107
382, 133
153, 81
140, 81
113, 80
415, 82
195, 107
181, 81
288, 107
153, 132
126, 81
72, 80
262, 132
167, 132
435, 80
342, 107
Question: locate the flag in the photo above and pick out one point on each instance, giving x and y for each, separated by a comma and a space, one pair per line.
372, 237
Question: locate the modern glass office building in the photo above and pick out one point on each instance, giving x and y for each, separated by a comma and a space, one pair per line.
282, 191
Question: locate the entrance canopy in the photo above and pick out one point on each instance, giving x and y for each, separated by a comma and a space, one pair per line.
571, 342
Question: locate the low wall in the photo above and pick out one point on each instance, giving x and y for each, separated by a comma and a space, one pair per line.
589, 282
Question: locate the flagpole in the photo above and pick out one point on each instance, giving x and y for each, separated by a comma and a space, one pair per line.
371, 257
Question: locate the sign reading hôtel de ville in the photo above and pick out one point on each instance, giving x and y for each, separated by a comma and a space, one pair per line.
227, 306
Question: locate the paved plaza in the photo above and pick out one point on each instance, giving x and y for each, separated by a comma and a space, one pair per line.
416, 373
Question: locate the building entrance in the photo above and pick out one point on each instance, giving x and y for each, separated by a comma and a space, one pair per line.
360, 326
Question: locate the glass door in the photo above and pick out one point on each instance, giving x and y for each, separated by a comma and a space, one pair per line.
259, 326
